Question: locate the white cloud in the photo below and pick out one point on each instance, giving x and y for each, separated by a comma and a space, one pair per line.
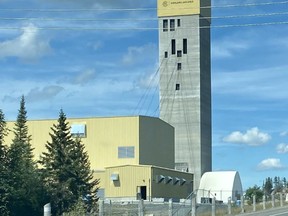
78, 78
137, 54
45, 93
35, 94
282, 42
107, 3
233, 44
257, 87
28, 46
225, 48
284, 133
97, 45
149, 81
122, 3
270, 164
84, 77
252, 137
282, 148
228, 2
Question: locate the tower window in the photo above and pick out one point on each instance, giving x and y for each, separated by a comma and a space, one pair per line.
179, 66
165, 25
172, 25
179, 53
166, 54
177, 87
178, 22
184, 46
173, 46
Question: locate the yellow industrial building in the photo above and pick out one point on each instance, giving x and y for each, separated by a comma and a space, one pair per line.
132, 156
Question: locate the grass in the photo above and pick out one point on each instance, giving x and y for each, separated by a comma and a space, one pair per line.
235, 210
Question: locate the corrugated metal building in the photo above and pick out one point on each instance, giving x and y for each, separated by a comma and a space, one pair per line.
130, 182
119, 148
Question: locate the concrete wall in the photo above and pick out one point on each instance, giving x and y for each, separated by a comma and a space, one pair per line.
189, 108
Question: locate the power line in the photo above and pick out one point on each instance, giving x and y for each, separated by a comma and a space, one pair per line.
142, 28
155, 76
75, 19
248, 5
248, 25
137, 9
133, 19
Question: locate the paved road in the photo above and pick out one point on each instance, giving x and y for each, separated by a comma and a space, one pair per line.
280, 211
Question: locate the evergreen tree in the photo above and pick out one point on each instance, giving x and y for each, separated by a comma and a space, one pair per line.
66, 169
278, 184
4, 184
25, 181
284, 182
82, 177
268, 186
78, 209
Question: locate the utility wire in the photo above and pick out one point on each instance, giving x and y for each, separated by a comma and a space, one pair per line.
155, 77
75, 19
138, 9
247, 5
132, 19
143, 28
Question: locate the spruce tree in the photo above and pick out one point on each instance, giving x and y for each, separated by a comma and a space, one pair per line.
24, 178
83, 182
268, 186
66, 168
4, 184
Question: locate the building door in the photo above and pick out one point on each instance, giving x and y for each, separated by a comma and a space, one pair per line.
141, 192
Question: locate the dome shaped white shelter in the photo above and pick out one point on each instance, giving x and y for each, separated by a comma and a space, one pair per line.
222, 185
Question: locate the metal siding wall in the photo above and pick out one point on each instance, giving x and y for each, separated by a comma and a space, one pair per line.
162, 190
129, 178
100, 175
104, 135
132, 176
156, 143
40, 134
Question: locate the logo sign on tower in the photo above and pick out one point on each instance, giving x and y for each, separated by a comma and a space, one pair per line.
178, 7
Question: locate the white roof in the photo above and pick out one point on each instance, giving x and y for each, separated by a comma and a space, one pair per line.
220, 180
221, 184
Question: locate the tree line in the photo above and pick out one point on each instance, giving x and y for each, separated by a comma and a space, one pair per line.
270, 186
62, 176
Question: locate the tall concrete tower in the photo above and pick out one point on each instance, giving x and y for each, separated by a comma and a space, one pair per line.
185, 81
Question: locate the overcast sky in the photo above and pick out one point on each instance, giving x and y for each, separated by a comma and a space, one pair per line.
94, 61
